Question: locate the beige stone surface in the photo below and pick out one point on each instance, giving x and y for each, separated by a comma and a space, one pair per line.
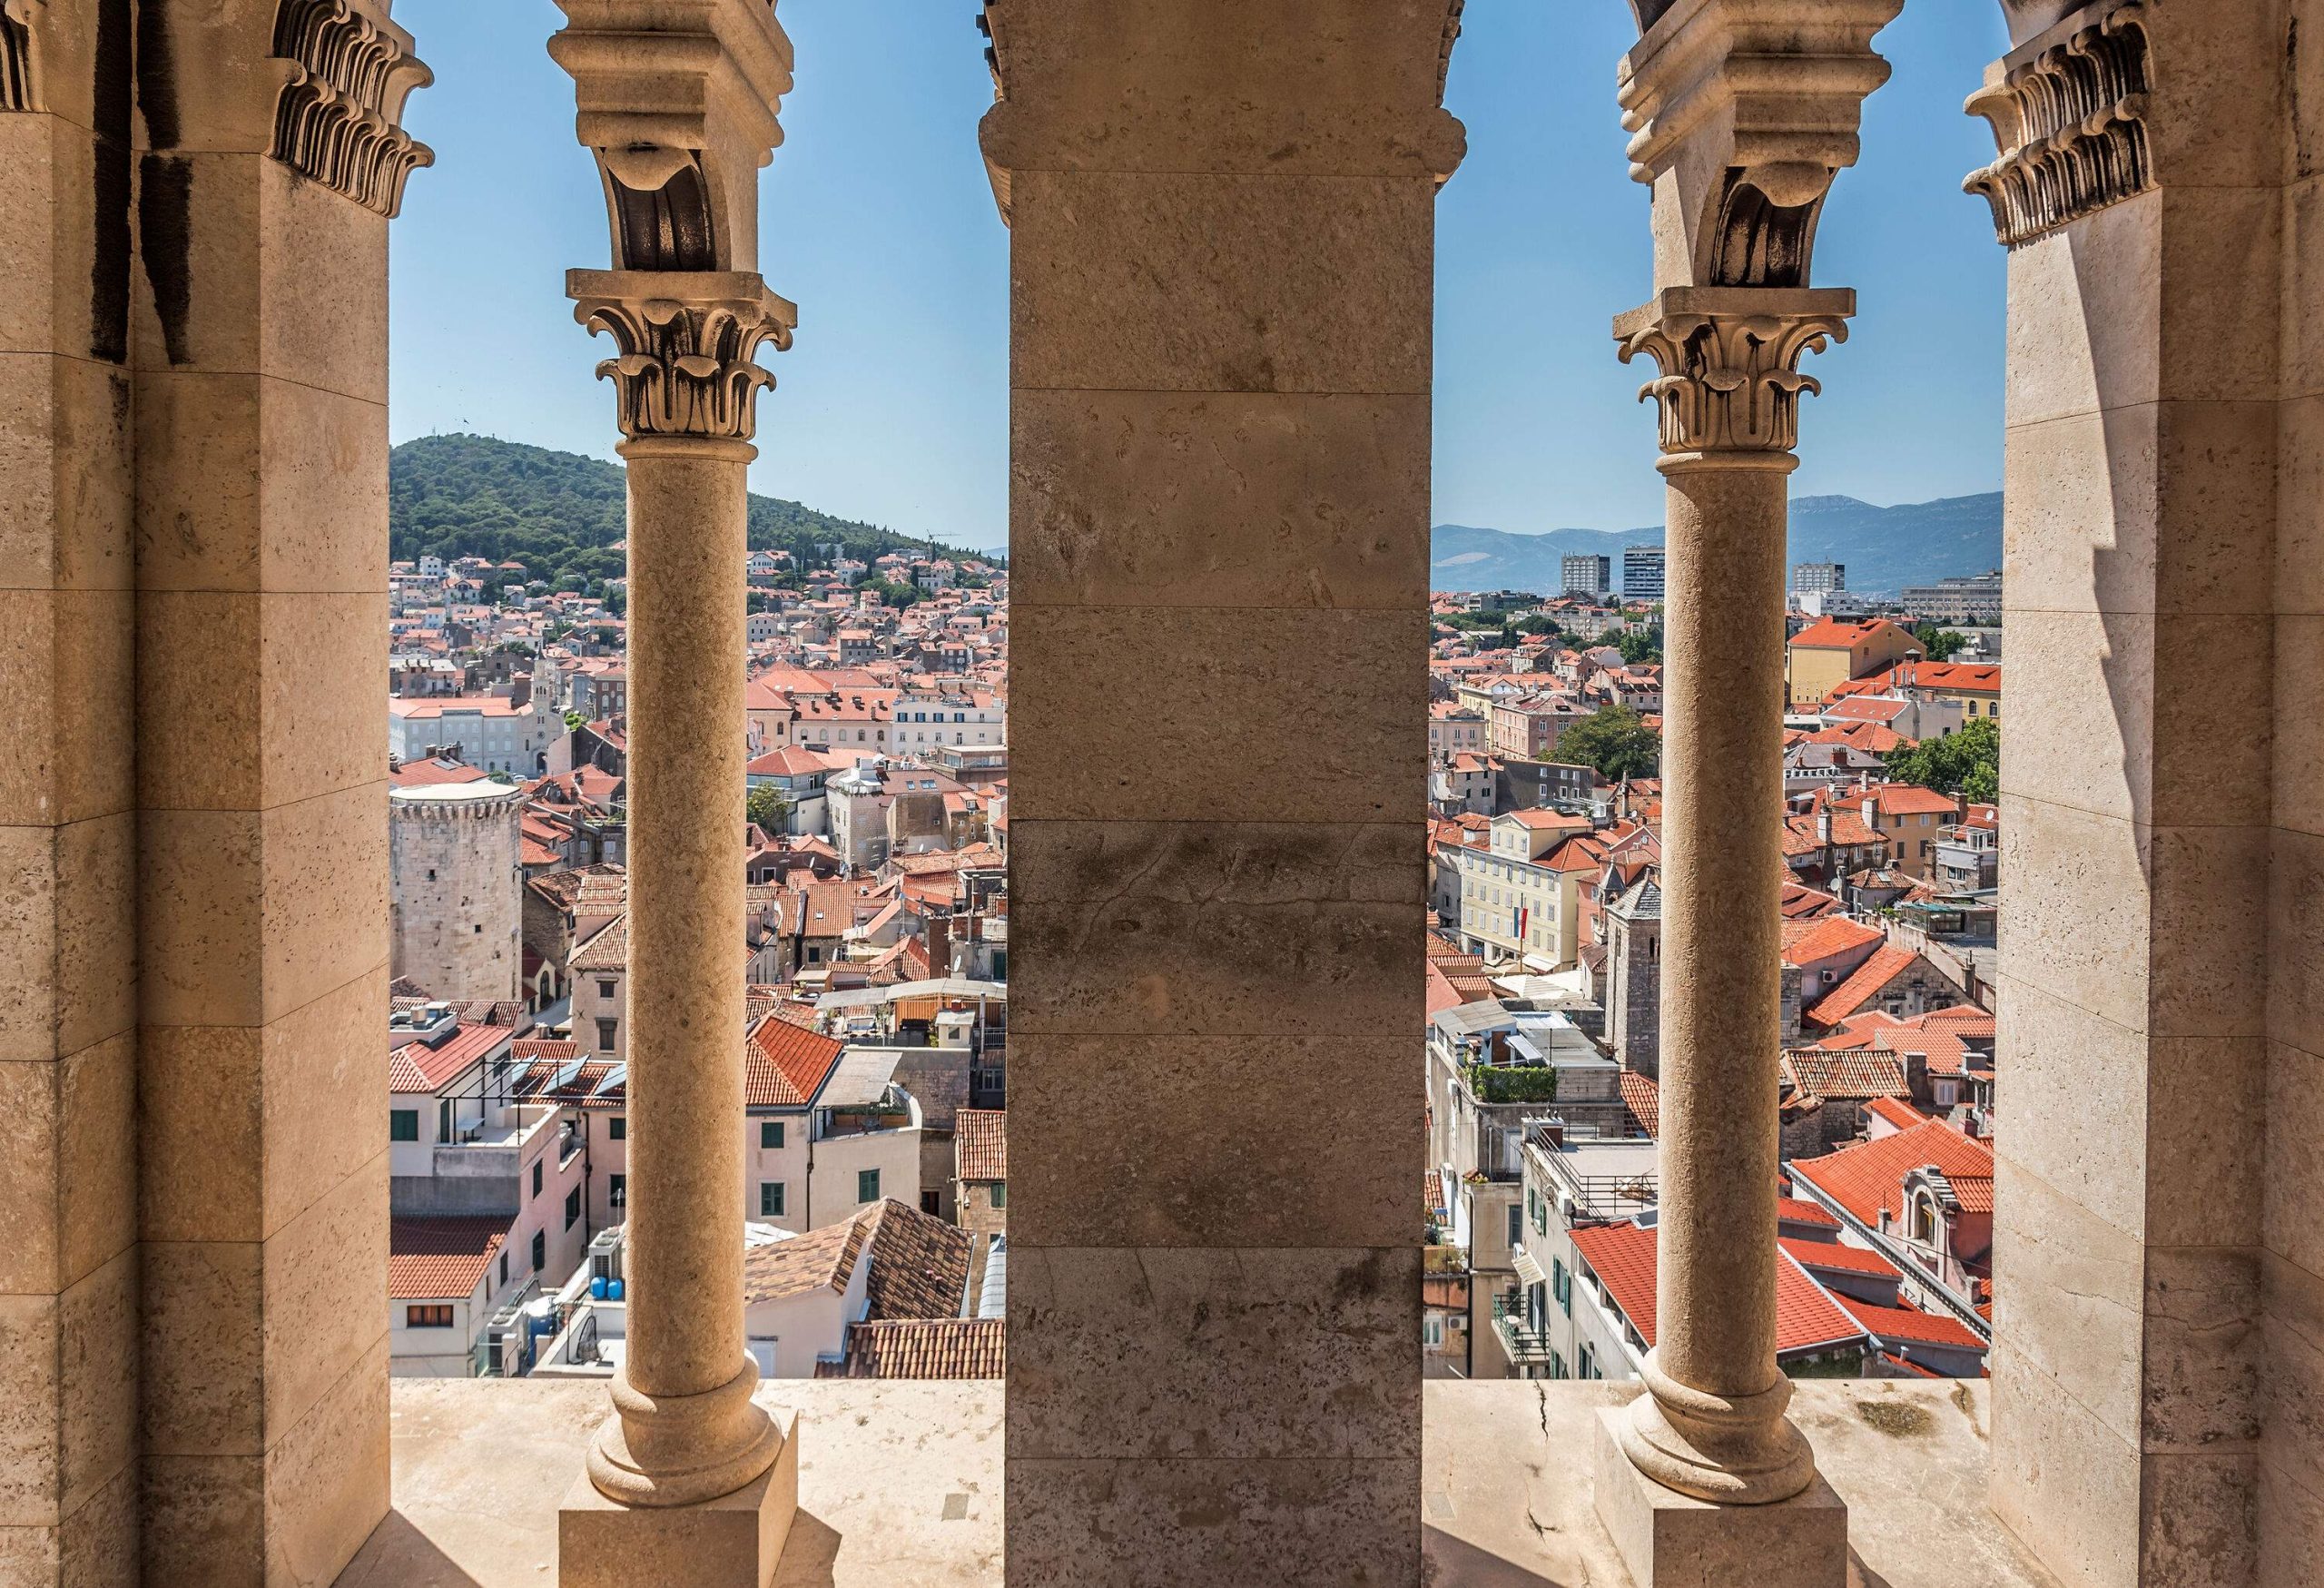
66, 714
2298, 739
258, 700
219, 1099
2295, 1157
66, 935
732, 1542
1218, 499
1180, 1172
1671, 1541
1195, 741
64, 522
1215, 927
1336, 86
901, 1483
251, 482
1157, 1352
248, 915
1205, 282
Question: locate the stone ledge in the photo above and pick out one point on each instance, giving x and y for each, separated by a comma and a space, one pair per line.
901, 1483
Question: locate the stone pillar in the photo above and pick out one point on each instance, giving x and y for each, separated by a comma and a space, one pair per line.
273, 161
1705, 1467
689, 1479
1741, 113
68, 826
2159, 1191
1221, 276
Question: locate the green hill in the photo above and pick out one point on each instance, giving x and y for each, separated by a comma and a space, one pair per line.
559, 514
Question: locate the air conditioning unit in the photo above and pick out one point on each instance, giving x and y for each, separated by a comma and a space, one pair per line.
604, 1255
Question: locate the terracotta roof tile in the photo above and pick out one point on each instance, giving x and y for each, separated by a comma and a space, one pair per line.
439, 1259
948, 1348
1622, 1256
1869, 1176
785, 1065
1643, 1099
1914, 1325
981, 1143
1885, 966
1851, 1075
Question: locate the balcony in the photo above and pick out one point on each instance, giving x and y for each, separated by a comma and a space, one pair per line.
1526, 1346
901, 1482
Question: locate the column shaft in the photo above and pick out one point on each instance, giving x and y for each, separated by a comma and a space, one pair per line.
687, 510
1722, 863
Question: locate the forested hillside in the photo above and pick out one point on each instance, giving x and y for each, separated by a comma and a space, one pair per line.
560, 513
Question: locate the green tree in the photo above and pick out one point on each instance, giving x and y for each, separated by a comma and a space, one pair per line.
1967, 763
1939, 644
1640, 644
766, 806
1616, 742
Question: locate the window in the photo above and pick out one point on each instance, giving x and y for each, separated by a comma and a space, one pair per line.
617, 1128
770, 1134
403, 1124
867, 1184
540, 1250
571, 1207
1432, 1330
537, 1177
606, 1035
1562, 1287
604, 989
504, 1268
1588, 1368
771, 1198
617, 1191
1516, 1227
433, 1315
444, 1120
1000, 1194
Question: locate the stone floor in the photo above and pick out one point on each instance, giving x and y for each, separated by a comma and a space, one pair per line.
900, 1485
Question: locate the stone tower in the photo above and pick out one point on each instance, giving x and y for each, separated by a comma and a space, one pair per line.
1634, 978
456, 889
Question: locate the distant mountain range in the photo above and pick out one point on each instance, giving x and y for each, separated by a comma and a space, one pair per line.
1885, 549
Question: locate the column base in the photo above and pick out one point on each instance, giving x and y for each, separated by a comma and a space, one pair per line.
732, 1542
1670, 1539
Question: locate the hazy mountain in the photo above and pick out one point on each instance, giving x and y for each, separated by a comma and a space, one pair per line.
1885, 549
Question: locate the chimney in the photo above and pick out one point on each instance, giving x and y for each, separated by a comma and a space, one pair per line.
1824, 827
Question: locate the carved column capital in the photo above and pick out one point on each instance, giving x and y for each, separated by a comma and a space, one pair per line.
1731, 380
687, 342
17, 89
2068, 111
347, 70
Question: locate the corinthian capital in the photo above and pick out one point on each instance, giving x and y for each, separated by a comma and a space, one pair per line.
1729, 358
688, 341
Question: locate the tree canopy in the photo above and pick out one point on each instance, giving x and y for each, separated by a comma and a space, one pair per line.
1615, 740
1640, 644
561, 515
1967, 763
1939, 644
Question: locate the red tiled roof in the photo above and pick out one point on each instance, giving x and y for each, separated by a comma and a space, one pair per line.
1792, 1210
785, 1065
1622, 1256
1850, 1076
1807, 941
1643, 1099
1843, 1259
1831, 634
1911, 1324
981, 1143
1869, 1176
1906, 799
945, 1348
417, 1067
440, 1259
1885, 966
1896, 1111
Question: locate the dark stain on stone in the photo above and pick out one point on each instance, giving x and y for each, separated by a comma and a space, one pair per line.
157, 90
109, 255
1897, 1419
164, 210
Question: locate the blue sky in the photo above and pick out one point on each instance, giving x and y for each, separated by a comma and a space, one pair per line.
877, 220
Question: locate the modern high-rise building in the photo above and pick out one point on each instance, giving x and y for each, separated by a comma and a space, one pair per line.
1642, 573
1973, 600
1819, 575
1586, 575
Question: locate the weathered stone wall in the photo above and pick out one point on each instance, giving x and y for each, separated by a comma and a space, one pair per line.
457, 891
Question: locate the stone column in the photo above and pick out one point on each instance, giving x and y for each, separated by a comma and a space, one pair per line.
1712, 1430
689, 1480
1221, 255
1741, 111
2160, 1094
68, 826
273, 164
